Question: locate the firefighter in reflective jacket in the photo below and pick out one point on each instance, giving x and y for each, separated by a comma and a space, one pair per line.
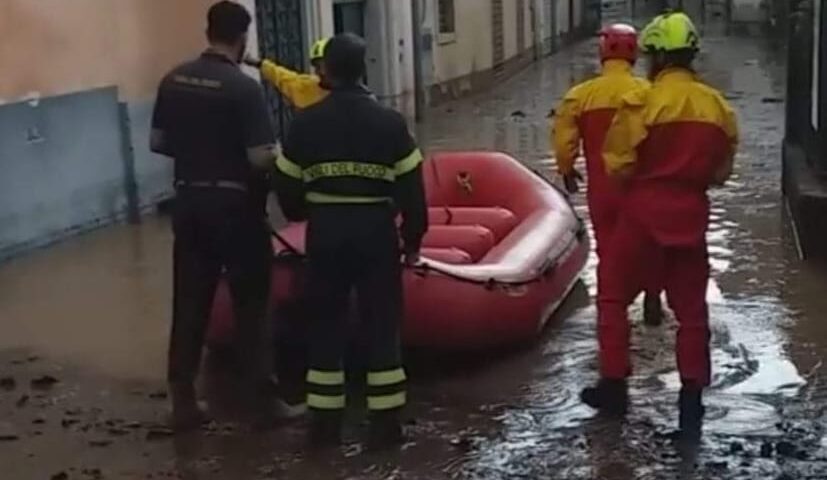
669, 144
350, 166
584, 115
301, 89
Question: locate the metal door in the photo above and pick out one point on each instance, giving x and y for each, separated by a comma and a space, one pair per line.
349, 17
280, 36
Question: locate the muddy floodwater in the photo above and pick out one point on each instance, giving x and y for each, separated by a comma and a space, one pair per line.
83, 329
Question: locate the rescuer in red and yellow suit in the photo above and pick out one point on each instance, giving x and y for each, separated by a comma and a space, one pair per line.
584, 115
301, 89
668, 144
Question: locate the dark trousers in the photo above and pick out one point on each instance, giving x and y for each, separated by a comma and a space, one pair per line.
219, 231
354, 248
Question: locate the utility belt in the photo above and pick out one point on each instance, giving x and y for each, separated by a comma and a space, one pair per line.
221, 184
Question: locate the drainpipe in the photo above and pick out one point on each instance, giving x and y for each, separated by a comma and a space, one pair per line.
822, 87
419, 96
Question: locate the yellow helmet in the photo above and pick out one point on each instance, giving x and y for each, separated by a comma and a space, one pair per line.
670, 32
317, 50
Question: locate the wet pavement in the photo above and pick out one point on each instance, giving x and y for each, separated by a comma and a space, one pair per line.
84, 326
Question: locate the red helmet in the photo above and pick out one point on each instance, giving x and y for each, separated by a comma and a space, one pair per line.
618, 41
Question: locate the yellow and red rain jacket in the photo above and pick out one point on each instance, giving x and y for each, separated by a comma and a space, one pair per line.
301, 89
675, 140
586, 113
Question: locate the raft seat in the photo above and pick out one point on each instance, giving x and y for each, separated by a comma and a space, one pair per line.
475, 240
500, 221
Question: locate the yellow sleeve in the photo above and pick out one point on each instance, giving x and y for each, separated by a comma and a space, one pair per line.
302, 90
629, 128
565, 133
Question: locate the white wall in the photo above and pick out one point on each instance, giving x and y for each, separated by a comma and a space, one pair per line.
748, 11
389, 37
472, 47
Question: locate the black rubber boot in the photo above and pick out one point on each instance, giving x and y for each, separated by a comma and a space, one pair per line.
186, 413
652, 311
385, 431
691, 412
325, 429
609, 396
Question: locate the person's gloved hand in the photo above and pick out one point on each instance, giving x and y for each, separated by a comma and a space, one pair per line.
572, 181
252, 61
412, 259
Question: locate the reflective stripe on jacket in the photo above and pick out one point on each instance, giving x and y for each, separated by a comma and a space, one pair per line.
584, 115
674, 137
351, 150
301, 89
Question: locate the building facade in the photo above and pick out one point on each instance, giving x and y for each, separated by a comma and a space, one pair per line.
79, 78
76, 96
805, 143
442, 49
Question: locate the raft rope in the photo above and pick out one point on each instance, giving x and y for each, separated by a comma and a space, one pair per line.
292, 253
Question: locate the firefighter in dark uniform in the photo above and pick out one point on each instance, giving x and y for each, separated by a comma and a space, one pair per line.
212, 120
349, 166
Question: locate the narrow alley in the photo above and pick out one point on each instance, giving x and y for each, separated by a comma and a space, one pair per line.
84, 399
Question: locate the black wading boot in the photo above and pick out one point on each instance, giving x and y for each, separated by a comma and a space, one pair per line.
691, 412
609, 396
652, 311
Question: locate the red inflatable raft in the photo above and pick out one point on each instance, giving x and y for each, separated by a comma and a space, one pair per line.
503, 250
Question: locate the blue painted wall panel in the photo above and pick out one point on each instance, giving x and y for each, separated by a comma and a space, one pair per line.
62, 168
153, 173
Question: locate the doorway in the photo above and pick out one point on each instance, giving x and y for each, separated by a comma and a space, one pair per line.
280, 36
349, 17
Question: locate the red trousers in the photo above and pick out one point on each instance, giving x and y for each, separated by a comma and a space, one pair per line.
604, 216
622, 275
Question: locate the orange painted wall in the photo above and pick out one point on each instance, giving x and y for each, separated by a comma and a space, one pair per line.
61, 46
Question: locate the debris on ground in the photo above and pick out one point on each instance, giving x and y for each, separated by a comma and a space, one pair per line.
785, 448
118, 432
8, 383
68, 422
100, 442
159, 433
22, 401
22, 361
60, 476
8, 433
92, 473
159, 395
44, 382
